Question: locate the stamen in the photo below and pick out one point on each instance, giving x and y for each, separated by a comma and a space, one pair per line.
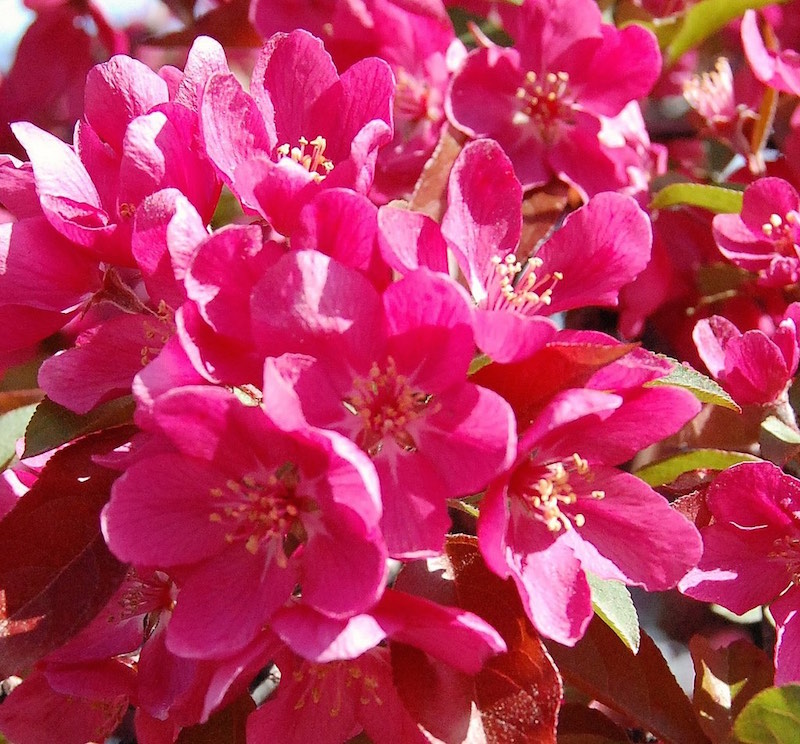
545, 103
314, 162
547, 496
519, 287
387, 405
257, 509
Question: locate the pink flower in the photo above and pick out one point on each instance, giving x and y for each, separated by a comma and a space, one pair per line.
563, 510
259, 511
751, 553
350, 685
599, 248
388, 371
764, 238
753, 367
545, 100
303, 127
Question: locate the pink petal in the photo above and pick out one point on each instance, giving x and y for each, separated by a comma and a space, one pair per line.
787, 648
409, 240
116, 93
225, 602
291, 73
68, 195
231, 126
483, 217
600, 248
633, 534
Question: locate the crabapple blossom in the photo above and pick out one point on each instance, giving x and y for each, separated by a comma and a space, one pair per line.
562, 509
547, 99
751, 552
764, 238
261, 510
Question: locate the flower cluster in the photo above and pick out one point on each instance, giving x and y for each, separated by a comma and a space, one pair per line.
294, 337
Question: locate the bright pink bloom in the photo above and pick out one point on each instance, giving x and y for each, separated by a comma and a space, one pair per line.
599, 248
259, 511
547, 99
753, 367
351, 29
562, 509
765, 237
119, 342
390, 373
329, 702
751, 553
302, 128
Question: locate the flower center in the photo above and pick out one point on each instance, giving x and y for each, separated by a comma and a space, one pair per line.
333, 683
257, 510
517, 286
547, 495
159, 327
782, 232
412, 100
787, 548
544, 102
387, 405
145, 594
314, 161
711, 93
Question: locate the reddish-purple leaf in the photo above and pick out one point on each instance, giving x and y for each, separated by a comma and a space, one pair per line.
725, 680
519, 692
56, 572
639, 687
228, 24
529, 384
430, 191
579, 724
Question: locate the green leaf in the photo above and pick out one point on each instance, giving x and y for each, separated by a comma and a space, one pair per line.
783, 432
771, 717
714, 198
703, 20
53, 425
479, 362
612, 601
703, 388
12, 427
666, 471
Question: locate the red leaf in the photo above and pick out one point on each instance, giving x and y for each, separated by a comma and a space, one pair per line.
226, 726
519, 692
228, 24
579, 724
56, 572
725, 680
430, 191
640, 687
541, 210
529, 384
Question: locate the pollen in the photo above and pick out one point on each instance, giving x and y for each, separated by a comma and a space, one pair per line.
520, 287
388, 405
782, 232
258, 509
787, 549
313, 160
544, 103
711, 93
550, 496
